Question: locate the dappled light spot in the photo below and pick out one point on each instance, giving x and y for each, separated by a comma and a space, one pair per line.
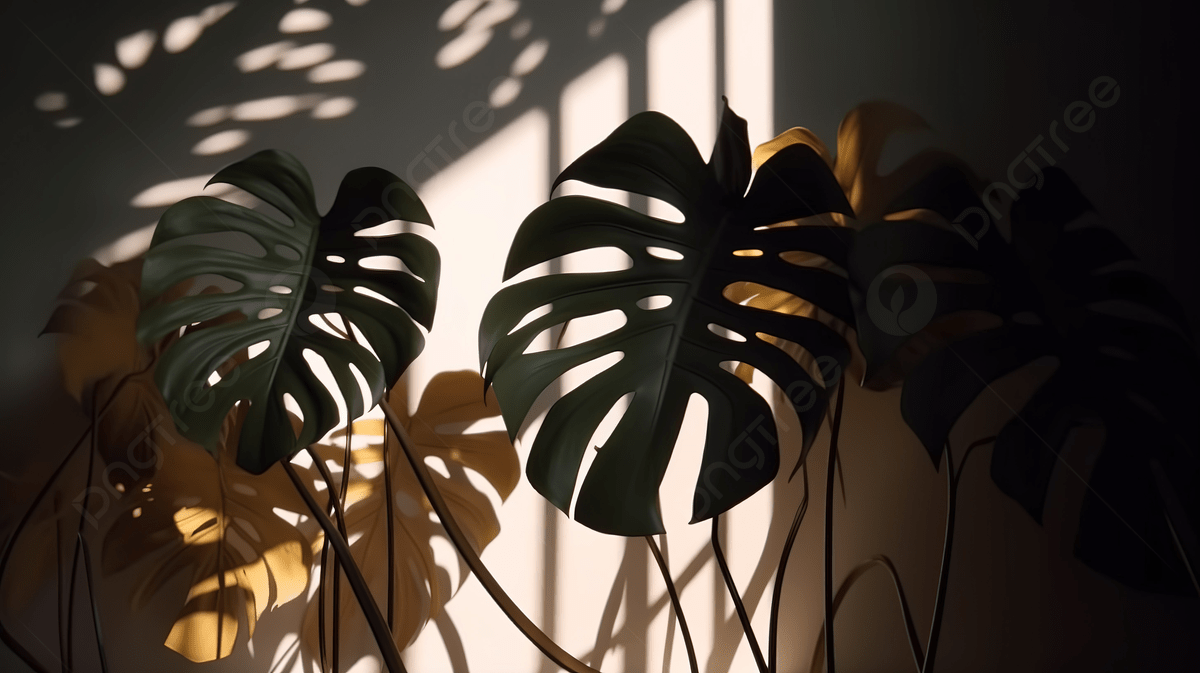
611, 6
505, 92
306, 56
68, 122
530, 57
304, 20
275, 107
210, 116
263, 57
335, 107
133, 50
462, 48
457, 13
109, 78
182, 33
493, 13
51, 101
171, 191
222, 141
596, 27
336, 71
357, 3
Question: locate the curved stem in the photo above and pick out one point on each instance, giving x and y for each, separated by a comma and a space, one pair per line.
11, 543
388, 504
777, 591
535, 635
832, 468
747, 629
10, 640
91, 581
87, 499
914, 641
337, 505
383, 637
939, 607
683, 627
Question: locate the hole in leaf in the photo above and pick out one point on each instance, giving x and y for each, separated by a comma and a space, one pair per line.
536, 313
336, 259
654, 303
281, 289
664, 211
748, 253
375, 295
664, 253
268, 313
726, 333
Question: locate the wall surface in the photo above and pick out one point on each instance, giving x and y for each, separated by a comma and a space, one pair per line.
99, 136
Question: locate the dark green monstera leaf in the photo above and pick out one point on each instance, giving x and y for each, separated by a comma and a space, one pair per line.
294, 273
1064, 288
672, 352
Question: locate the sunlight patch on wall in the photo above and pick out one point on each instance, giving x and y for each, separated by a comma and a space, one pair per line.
337, 71
222, 141
133, 50
592, 105
263, 57
749, 66
171, 191
682, 73
184, 31
109, 78
506, 176
304, 20
306, 56
51, 101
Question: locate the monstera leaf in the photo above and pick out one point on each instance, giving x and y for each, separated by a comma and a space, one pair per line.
872, 192
290, 275
205, 515
449, 405
1063, 287
671, 352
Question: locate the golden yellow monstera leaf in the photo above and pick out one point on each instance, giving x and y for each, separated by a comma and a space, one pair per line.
450, 404
862, 136
206, 516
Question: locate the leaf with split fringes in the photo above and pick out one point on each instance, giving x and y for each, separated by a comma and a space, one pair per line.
207, 518
1062, 288
440, 428
668, 353
291, 273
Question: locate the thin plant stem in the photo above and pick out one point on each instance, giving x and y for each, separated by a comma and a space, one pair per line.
914, 640
383, 637
939, 608
388, 504
337, 579
59, 586
321, 583
87, 499
337, 505
747, 629
777, 591
832, 468
91, 582
683, 627
535, 635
